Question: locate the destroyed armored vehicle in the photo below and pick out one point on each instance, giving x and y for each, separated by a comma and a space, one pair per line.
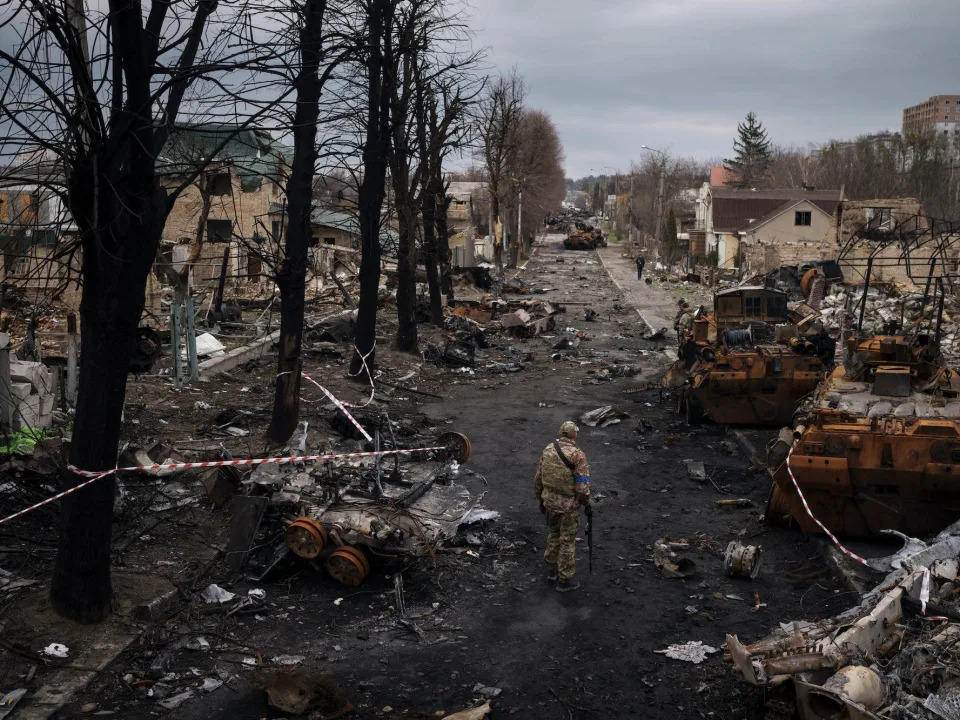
751, 361
354, 512
584, 238
878, 447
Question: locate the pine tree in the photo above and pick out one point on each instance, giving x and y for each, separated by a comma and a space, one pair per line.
753, 153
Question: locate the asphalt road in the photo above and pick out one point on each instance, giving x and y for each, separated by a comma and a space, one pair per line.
488, 618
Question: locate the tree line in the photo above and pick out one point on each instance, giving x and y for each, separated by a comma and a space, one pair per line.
383, 92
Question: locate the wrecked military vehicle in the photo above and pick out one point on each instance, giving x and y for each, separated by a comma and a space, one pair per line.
878, 446
751, 361
585, 238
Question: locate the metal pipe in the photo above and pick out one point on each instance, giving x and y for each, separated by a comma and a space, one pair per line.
926, 290
936, 336
866, 287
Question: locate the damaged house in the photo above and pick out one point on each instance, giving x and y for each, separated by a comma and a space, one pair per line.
760, 230
225, 209
861, 226
35, 229
468, 206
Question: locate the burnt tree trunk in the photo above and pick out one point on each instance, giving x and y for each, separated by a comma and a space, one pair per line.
292, 273
428, 207
118, 206
443, 244
406, 274
431, 256
370, 196
401, 81
120, 210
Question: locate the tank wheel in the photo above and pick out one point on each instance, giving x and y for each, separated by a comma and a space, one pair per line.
693, 409
778, 509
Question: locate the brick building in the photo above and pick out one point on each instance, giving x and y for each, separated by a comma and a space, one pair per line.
939, 114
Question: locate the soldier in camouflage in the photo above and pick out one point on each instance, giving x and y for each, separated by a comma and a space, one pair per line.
684, 324
562, 485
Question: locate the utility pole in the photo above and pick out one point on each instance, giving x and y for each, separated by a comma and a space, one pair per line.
520, 218
663, 172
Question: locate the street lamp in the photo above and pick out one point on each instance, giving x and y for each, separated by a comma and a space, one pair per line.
663, 172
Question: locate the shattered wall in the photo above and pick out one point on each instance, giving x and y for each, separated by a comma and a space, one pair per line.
237, 216
780, 241
853, 217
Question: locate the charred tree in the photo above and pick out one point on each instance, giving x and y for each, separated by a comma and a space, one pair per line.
107, 120
120, 210
292, 273
402, 79
376, 145
428, 208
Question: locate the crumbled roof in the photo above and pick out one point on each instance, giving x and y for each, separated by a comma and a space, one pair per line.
462, 191
338, 220
252, 151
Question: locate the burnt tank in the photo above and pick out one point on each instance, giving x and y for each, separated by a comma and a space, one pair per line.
878, 446
752, 360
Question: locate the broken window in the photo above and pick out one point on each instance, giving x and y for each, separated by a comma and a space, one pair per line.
16, 265
329, 241
219, 231
753, 306
254, 265
220, 184
802, 217
880, 217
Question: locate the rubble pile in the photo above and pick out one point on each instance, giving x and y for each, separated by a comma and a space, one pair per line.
891, 310
895, 655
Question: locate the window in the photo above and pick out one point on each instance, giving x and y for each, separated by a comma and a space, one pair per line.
16, 265
329, 241
220, 184
219, 230
802, 217
753, 306
879, 217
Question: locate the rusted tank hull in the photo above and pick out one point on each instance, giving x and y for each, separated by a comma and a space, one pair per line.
731, 398
758, 387
863, 477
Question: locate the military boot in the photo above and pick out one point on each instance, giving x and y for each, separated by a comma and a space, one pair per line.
567, 585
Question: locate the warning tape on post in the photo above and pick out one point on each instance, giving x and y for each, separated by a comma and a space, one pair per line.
94, 475
341, 407
925, 581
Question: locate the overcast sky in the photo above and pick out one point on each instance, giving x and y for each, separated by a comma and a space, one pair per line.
680, 74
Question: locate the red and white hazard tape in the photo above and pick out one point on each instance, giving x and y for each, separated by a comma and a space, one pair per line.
925, 582
340, 406
94, 475
806, 507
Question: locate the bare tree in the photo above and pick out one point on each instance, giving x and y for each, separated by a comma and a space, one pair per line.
98, 93
499, 112
535, 173
317, 51
377, 17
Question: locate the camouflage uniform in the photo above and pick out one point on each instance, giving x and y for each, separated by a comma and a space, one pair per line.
563, 491
684, 327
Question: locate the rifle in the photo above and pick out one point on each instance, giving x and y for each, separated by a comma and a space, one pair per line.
588, 511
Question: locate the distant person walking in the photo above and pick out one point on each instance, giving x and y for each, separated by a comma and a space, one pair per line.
640, 264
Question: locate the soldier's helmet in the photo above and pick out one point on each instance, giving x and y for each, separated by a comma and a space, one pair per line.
569, 429
684, 304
